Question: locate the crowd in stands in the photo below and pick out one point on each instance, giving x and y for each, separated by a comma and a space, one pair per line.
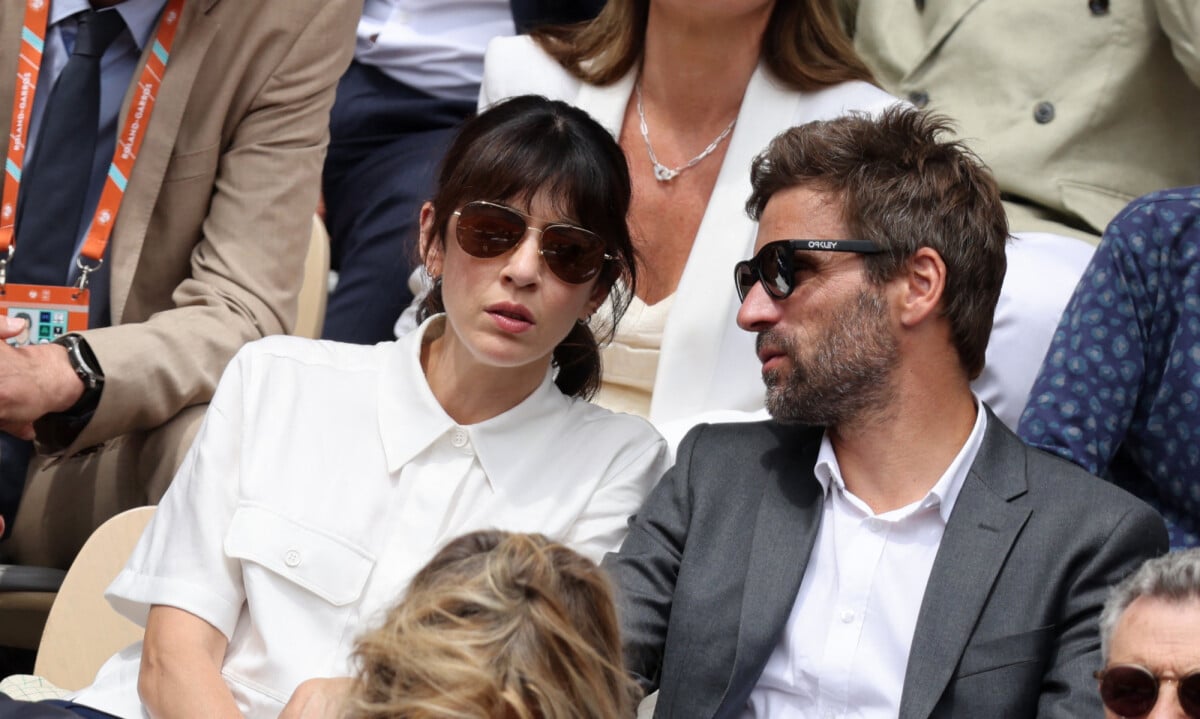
963, 238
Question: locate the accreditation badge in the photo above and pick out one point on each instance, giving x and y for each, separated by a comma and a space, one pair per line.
49, 311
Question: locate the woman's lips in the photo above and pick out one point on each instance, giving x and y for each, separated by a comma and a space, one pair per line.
511, 317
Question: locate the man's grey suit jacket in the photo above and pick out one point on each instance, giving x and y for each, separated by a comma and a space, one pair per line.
707, 578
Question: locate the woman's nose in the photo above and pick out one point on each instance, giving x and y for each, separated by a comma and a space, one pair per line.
524, 263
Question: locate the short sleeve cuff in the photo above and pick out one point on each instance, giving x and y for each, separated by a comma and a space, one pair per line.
132, 594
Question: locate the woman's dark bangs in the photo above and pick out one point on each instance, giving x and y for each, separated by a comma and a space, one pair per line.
540, 160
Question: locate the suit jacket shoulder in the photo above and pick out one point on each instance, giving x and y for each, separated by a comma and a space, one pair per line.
519, 66
707, 575
1024, 566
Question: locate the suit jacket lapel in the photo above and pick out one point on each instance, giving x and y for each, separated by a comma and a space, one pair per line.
978, 537
725, 235
947, 19
607, 104
196, 31
12, 19
785, 530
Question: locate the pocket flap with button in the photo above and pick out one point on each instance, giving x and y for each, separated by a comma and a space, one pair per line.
330, 567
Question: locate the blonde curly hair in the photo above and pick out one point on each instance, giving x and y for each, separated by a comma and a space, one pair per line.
497, 626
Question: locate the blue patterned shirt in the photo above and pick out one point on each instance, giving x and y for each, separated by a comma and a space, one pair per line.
1119, 392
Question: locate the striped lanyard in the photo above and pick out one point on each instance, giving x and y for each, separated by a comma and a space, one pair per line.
137, 119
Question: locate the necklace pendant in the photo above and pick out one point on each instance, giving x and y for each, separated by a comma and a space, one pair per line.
662, 173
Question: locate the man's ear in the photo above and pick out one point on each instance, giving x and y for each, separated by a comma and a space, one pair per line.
922, 284
430, 243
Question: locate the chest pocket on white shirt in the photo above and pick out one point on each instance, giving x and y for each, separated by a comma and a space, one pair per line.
326, 565
302, 588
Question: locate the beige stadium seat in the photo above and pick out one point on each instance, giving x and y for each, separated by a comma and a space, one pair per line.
82, 630
310, 315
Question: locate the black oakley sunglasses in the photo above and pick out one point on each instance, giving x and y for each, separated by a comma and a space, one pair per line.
774, 265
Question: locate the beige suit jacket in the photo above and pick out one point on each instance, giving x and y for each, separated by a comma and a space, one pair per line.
208, 248
1077, 112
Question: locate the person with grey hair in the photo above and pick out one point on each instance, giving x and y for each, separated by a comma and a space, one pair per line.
1150, 640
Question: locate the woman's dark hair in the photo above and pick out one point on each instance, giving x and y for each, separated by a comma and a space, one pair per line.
528, 145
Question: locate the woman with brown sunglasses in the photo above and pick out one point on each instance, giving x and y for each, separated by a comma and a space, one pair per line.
326, 475
693, 90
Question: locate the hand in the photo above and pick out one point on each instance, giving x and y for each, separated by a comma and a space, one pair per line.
34, 380
322, 698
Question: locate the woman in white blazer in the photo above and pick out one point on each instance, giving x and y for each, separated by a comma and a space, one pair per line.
699, 67
668, 76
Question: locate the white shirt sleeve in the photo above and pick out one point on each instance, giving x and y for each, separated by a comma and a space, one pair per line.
604, 522
180, 560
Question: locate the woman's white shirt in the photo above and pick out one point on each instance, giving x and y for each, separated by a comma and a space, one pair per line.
325, 475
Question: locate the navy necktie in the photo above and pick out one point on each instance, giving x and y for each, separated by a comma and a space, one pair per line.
55, 186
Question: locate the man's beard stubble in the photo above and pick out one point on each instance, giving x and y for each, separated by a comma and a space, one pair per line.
843, 375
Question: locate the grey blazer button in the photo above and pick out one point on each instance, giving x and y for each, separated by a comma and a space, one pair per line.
920, 98
920, 5
1043, 112
1098, 7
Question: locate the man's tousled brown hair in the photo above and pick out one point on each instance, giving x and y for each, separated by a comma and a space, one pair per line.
903, 185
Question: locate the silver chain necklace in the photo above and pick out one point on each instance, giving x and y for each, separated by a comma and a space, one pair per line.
662, 173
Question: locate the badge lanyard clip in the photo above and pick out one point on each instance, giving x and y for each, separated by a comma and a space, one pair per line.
4, 260
84, 271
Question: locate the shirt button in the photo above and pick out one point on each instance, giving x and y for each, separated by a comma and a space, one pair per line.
460, 438
875, 525
920, 98
847, 616
1043, 112
291, 558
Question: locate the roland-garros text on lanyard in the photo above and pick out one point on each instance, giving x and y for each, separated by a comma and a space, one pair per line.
137, 118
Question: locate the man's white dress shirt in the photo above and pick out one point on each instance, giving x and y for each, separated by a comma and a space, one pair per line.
435, 46
325, 475
845, 648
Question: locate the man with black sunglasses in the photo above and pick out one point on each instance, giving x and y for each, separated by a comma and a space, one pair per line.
884, 546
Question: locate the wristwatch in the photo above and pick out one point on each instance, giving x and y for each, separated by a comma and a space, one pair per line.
57, 430
83, 361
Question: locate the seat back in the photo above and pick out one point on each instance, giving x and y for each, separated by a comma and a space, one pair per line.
82, 630
310, 314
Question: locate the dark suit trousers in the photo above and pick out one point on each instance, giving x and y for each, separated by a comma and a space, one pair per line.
386, 140
51, 709
14, 463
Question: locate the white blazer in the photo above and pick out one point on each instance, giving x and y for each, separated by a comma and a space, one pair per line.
707, 363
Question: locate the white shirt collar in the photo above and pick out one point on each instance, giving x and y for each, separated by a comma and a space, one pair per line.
140, 16
411, 419
944, 492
